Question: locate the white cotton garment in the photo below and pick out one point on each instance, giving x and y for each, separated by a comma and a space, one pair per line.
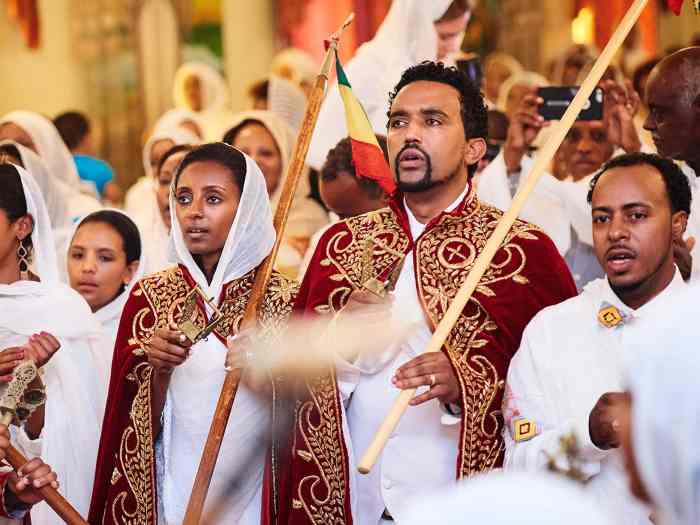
499, 498
195, 385
663, 383
75, 379
406, 37
566, 361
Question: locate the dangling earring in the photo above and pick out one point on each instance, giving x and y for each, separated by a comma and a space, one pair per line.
23, 256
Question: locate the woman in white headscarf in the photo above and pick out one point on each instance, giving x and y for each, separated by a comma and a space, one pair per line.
180, 118
659, 431
48, 322
500, 498
200, 88
37, 133
105, 259
269, 141
221, 231
406, 37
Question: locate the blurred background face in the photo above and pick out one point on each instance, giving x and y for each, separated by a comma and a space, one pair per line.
258, 143
11, 131
165, 178
193, 92
450, 34
97, 267
158, 149
585, 148
495, 74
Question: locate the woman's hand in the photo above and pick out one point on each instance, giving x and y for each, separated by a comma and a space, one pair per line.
41, 347
9, 359
168, 349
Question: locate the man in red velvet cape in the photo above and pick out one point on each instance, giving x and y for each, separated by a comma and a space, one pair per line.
426, 241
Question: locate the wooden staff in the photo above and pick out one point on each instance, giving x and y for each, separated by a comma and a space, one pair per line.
484, 260
250, 318
51, 496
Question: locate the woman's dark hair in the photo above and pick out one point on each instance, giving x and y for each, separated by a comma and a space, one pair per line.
11, 150
231, 134
177, 148
124, 226
223, 154
12, 199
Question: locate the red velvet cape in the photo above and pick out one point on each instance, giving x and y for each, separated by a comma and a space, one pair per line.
125, 488
526, 275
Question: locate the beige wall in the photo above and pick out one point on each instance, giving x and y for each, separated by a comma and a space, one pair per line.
47, 80
249, 45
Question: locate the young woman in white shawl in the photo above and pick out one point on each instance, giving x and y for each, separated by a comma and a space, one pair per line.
37, 133
269, 140
48, 322
104, 261
163, 389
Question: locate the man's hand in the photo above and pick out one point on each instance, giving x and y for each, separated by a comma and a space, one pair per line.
41, 347
620, 107
523, 130
683, 257
602, 422
9, 359
431, 369
169, 348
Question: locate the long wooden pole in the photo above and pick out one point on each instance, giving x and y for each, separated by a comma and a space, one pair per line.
484, 260
212, 446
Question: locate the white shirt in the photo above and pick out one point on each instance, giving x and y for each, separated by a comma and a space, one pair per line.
421, 454
566, 361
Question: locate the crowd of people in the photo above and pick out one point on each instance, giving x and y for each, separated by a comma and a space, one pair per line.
564, 392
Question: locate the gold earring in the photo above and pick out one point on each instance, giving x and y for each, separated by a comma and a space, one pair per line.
23, 256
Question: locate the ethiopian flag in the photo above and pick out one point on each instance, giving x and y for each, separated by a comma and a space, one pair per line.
676, 5
367, 156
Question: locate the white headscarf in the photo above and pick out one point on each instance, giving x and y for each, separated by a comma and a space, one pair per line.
75, 379
211, 83
510, 498
287, 101
49, 145
249, 240
406, 37
174, 118
52, 189
295, 65
176, 134
666, 409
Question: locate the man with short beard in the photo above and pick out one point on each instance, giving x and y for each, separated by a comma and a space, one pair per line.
570, 367
673, 98
423, 246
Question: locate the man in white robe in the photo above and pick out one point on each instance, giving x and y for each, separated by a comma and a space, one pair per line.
571, 364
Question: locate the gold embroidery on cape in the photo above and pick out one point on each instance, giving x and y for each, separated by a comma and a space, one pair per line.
136, 455
457, 240
321, 446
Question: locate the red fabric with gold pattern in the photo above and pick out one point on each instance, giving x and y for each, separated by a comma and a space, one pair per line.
526, 275
125, 482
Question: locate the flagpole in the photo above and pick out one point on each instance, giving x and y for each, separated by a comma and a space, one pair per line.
492, 246
212, 446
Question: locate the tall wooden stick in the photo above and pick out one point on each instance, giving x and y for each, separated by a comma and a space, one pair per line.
484, 260
230, 387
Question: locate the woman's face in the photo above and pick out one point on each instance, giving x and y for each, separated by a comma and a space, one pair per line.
206, 201
193, 92
11, 131
97, 267
257, 142
158, 149
163, 180
10, 235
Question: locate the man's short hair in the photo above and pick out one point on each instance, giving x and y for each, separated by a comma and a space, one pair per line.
473, 109
73, 127
456, 9
677, 186
340, 159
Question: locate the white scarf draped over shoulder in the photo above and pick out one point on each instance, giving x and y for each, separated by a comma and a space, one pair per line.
195, 385
76, 383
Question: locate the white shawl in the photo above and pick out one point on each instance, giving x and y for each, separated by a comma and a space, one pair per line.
75, 382
196, 384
